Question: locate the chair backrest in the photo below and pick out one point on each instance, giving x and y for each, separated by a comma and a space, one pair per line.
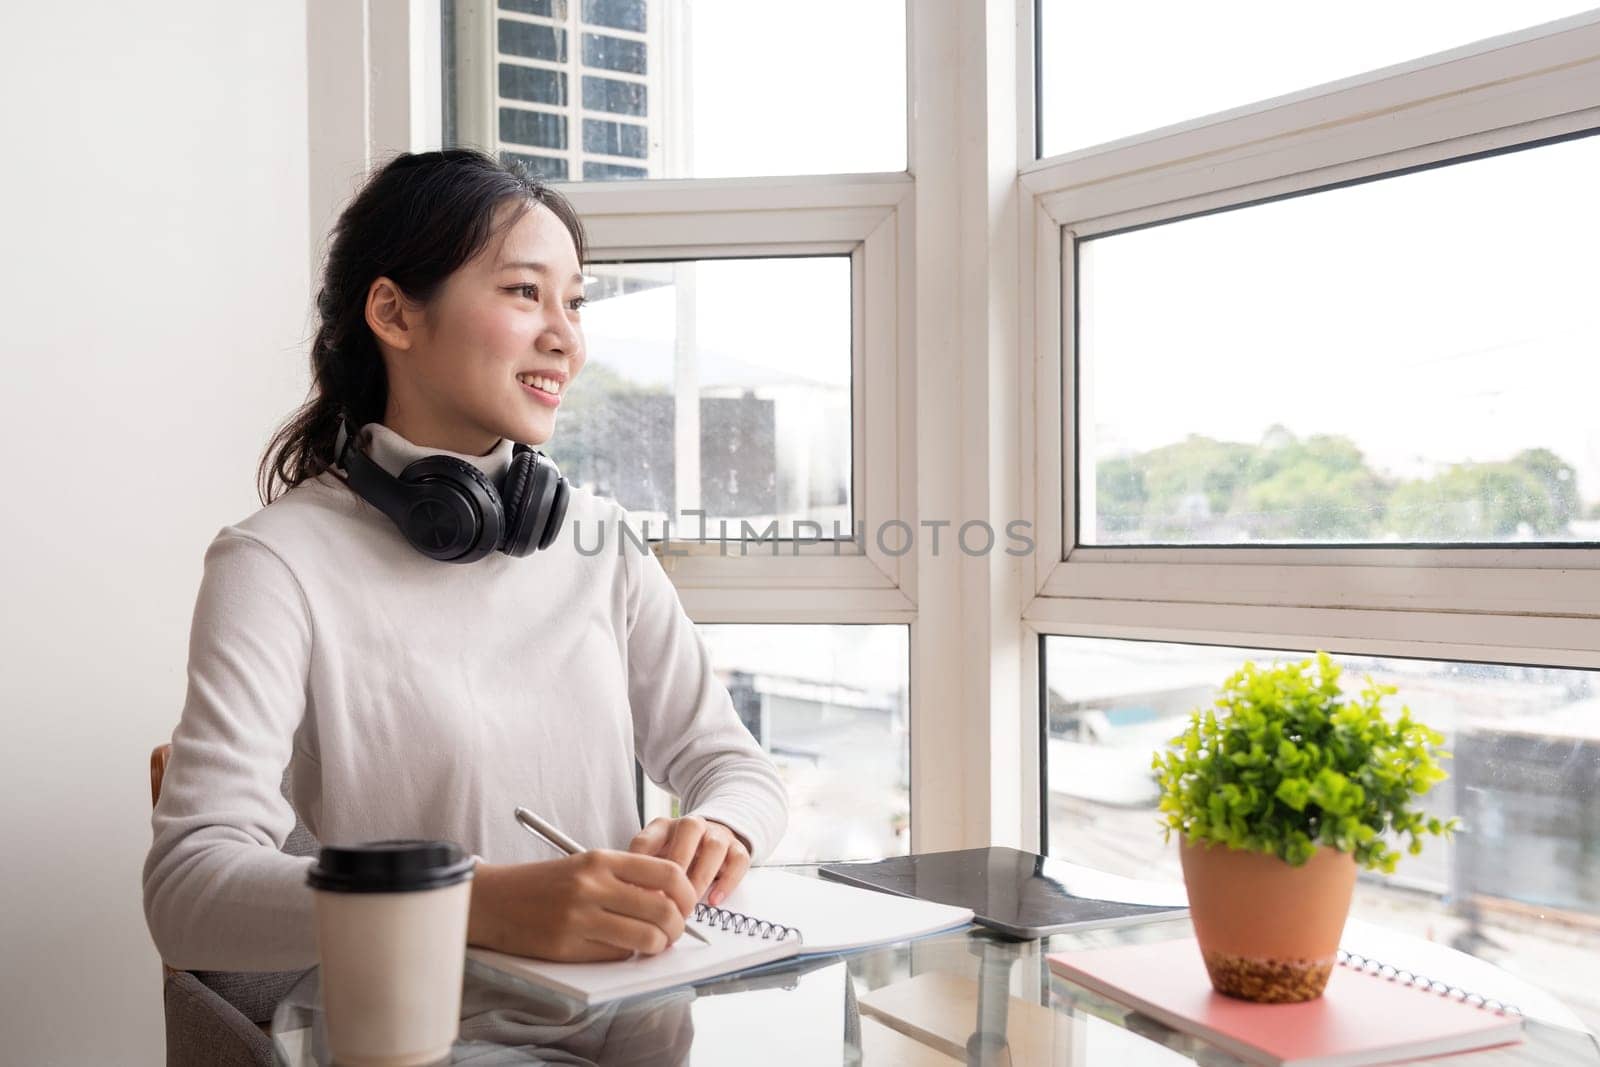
254, 993
158, 770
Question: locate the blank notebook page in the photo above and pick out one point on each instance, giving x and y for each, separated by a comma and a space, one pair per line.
836, 918
686, 961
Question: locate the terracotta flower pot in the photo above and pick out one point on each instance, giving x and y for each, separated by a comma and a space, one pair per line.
1269, 932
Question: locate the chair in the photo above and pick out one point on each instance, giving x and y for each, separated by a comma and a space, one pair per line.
223, 1018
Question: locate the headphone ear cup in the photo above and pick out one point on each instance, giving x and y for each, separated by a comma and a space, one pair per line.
536, 502
558, 511
521, 517
454, 512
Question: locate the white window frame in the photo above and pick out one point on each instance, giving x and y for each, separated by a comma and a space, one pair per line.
867, 218
1533, 605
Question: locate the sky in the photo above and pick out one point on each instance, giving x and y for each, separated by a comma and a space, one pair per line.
779, 320
1439, 317
1145, 64
1435, 318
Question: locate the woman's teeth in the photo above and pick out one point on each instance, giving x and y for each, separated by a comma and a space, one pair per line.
539, 381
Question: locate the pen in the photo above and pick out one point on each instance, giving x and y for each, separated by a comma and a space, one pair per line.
540, 828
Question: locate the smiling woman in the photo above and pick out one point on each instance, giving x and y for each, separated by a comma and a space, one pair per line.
413, 700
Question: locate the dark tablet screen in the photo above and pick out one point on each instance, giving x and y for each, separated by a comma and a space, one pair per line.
1019, 893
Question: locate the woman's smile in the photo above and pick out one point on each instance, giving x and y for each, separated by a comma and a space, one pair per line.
548, 397
545, 388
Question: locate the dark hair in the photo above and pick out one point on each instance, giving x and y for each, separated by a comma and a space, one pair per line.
415, 221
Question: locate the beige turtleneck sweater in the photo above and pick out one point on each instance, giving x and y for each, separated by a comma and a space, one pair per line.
412, 698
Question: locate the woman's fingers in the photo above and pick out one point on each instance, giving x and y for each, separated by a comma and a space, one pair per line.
683, 843
628, 933
732, 872
646, 905
650, 840
653, 872
712, 856
708, 861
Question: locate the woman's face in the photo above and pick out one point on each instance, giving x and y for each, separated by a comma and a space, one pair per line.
494, 352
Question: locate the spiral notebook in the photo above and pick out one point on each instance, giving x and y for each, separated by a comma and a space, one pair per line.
773, 915
1370, 1013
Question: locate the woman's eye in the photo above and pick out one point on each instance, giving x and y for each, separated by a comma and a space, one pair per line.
577, 302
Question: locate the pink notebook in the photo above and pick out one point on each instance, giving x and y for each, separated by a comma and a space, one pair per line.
1362, 1018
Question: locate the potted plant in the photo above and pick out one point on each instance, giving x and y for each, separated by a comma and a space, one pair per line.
1279, 793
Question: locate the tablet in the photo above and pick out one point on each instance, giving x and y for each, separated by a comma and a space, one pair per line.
1022, 894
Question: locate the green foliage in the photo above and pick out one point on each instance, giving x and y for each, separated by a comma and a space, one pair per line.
1535, 489
1321, 487
1285, 762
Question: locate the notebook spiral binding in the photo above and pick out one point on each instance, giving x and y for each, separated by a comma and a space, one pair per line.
737, 923
1359, 962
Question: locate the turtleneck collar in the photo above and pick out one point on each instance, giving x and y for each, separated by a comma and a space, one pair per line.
394, 453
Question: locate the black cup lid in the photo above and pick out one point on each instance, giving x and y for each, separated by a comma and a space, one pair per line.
389, 867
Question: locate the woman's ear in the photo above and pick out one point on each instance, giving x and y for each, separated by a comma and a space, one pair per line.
391, 316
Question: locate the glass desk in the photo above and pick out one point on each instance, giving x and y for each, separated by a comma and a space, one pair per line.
966, 997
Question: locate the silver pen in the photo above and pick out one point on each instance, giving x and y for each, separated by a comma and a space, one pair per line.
540, 828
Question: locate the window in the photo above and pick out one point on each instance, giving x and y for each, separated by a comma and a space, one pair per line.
1114, 70
674, 89
1303, 377
720, 387
829, 703
1382, 362
1518, 885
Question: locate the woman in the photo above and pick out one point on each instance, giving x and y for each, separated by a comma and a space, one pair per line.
411, 697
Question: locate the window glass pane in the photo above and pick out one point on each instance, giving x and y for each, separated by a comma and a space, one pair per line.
547, 167
1519, 884
622, 98
1405, 360
593, 172
1109, 71
829, 704
722, 88
614, 138
717, 385
541, 129
620, 14
612, 53
527, 7
533, 84
532, 41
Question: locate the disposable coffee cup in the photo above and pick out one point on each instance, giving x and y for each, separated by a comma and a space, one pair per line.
392, 938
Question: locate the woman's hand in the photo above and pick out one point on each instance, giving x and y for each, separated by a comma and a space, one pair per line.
709, 852
597, 905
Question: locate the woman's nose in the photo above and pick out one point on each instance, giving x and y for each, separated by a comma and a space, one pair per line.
561, 338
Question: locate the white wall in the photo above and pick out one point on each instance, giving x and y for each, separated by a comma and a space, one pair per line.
154, 298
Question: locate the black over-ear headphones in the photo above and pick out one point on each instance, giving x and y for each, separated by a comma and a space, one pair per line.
450, 511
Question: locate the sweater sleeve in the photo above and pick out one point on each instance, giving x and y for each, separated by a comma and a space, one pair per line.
687, 734
218, 893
